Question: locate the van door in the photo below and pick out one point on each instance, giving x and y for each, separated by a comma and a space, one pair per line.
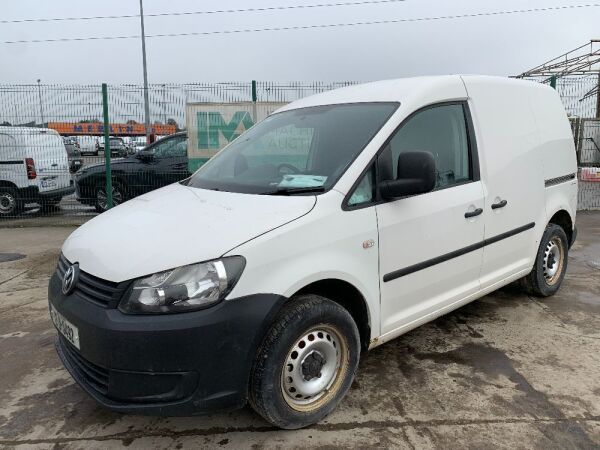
51, 162
430, 244
512, 173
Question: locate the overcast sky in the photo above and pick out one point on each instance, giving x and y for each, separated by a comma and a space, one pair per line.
501, 45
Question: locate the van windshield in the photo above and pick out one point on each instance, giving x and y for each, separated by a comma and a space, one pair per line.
302, 150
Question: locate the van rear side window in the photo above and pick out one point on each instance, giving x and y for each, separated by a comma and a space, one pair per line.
442, 131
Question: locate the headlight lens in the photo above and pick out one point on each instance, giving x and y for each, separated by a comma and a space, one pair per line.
185, 288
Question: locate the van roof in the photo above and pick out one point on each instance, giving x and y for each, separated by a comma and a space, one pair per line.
26, 130
401, 90
24, 134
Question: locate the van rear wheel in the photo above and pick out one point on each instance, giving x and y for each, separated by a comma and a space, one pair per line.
10, 203
550, 263
305, 364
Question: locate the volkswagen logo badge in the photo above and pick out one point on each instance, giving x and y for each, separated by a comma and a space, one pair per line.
70, 279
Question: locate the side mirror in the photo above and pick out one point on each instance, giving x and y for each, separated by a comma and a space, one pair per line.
145, 156
416, 175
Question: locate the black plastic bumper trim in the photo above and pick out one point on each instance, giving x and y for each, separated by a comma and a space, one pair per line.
559, 180
175, 364
454, 254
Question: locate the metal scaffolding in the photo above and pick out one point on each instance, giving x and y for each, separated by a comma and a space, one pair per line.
583, 61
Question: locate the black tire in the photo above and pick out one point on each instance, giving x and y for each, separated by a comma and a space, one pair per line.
549, 269
11, 205
327, 323
119, 196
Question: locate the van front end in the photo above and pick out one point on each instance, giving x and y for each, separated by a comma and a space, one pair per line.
175, 364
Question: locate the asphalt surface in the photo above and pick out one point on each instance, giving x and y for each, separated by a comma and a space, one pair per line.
506, 371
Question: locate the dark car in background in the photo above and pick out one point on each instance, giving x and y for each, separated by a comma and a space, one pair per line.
73, 153
117, 147
161, 163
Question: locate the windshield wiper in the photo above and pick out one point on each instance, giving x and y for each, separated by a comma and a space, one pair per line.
297, 190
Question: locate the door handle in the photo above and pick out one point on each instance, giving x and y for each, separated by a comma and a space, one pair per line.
500, 204
473, 213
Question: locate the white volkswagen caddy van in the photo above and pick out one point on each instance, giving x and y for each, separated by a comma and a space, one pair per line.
338, 223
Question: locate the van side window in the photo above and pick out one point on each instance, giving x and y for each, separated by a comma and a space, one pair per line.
442, 131
364, 191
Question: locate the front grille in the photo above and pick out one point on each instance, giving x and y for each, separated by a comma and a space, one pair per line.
93, 289
94, 376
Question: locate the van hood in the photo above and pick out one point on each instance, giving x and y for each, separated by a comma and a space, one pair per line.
175, 226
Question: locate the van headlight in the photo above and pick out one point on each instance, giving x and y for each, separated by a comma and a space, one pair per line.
185, 288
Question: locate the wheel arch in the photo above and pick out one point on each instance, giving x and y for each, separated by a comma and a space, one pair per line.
563, 219
349, 297
5, 183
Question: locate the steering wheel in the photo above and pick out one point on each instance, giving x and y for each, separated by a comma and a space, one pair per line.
290, 169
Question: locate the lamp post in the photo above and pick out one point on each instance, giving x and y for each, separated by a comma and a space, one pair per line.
146, 104
41, 104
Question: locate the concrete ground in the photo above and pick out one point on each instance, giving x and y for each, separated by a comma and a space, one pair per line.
507, 371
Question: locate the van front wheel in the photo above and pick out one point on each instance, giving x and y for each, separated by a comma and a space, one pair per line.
550, 263
305, 364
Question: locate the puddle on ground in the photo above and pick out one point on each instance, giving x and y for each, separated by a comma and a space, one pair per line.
7, 257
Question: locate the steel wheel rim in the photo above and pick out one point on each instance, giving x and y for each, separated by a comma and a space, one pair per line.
553, 260
102, 198
308, 382
7, 203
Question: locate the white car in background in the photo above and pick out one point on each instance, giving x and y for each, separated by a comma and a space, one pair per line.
34, 168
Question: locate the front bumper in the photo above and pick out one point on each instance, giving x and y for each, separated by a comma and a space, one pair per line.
176, 364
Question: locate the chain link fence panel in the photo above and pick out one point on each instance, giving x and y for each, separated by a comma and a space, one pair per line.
53, 151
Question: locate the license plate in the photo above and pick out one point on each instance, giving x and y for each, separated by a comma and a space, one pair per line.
66, 328
48, 183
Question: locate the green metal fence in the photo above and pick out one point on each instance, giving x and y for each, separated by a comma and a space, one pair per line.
89, 151
95, 144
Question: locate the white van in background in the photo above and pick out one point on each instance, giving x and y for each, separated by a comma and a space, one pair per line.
34, 168
88, 145
341, 221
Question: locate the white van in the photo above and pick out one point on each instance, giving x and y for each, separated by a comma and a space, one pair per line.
88, 145
340, 222
34, 168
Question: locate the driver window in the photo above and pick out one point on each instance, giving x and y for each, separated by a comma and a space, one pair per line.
161, 149
180, 148
169, 148
442, 131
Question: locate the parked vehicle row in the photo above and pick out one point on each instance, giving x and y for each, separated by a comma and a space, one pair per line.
161, 163
36, 163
